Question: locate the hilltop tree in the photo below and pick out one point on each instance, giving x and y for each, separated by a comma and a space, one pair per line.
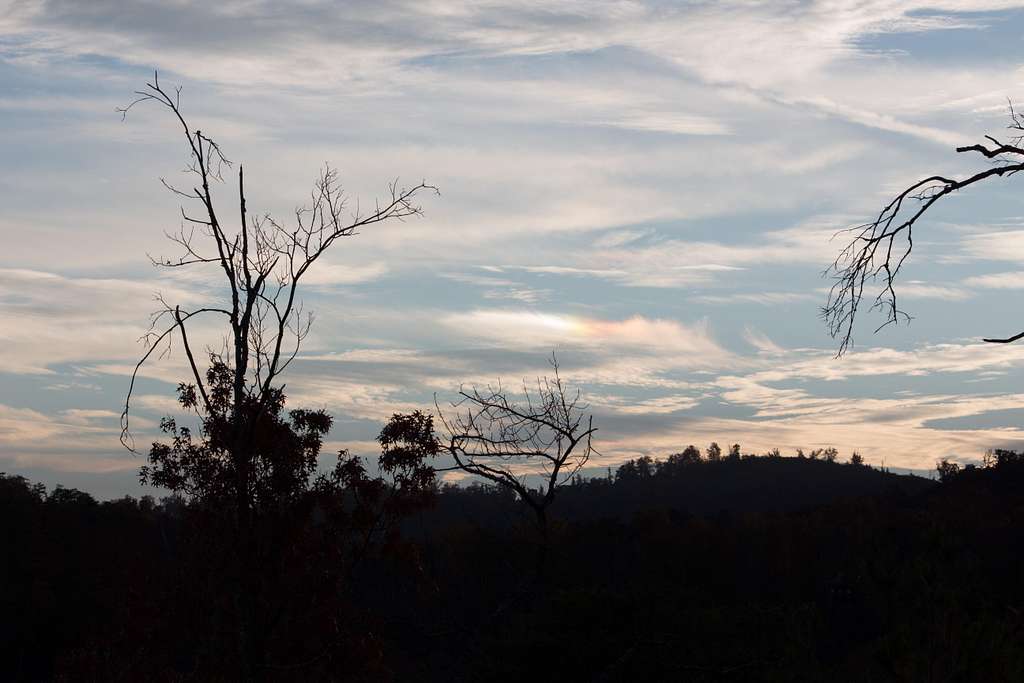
677, 461
643, 467
1002, 458
714, 452
947, 470
880, 247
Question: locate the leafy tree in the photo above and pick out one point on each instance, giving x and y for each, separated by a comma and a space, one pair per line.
262, 263
856, 458
15, 489
1002, 457
252, 464
734, 452
627, 471
714, 452
643, 467
947, 470
70, 497
283, 452
307, 530
407, 445
677, 461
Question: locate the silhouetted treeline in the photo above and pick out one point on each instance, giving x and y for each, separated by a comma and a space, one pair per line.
688, 483
692, 568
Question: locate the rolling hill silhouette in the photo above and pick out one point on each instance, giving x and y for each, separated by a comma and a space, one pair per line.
747, 485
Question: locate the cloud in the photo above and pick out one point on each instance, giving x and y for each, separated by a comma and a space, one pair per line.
895, 428
1007, 280
677, 124
74, 440
88, 417
47, 319
928, 359
73, 384
760, 341
376, 400
770, 46
547, 330
569, 270
880, 121
924, 290
618, 238
761, 298
679, 263
1004, 245
662, 405
525, 295
324, 275
22, 426
500, 288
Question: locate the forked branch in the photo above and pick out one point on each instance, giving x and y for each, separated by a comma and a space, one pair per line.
262, 263
878, 250
506, 438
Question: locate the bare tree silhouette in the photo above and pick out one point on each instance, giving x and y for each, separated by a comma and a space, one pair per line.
880, 247
504, 438
262, 263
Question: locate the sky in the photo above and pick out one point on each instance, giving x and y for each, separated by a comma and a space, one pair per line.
648, 189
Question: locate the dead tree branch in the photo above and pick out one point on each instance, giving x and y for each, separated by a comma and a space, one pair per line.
878, 250
505, 438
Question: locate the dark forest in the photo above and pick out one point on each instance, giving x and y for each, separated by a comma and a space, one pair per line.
746, 568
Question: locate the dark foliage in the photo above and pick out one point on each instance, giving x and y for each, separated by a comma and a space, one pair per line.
258, 579
139, 590
784, 569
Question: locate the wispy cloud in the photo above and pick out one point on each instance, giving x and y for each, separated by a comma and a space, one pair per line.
761, 298
1007, 280
47, 319
326, 275
545, 330
927, 290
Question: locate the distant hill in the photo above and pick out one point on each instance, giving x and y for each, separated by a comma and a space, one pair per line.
747, 569
749, 485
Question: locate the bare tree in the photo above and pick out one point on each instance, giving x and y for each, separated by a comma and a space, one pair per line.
504, 438
250, 462
879, 248
262, 263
